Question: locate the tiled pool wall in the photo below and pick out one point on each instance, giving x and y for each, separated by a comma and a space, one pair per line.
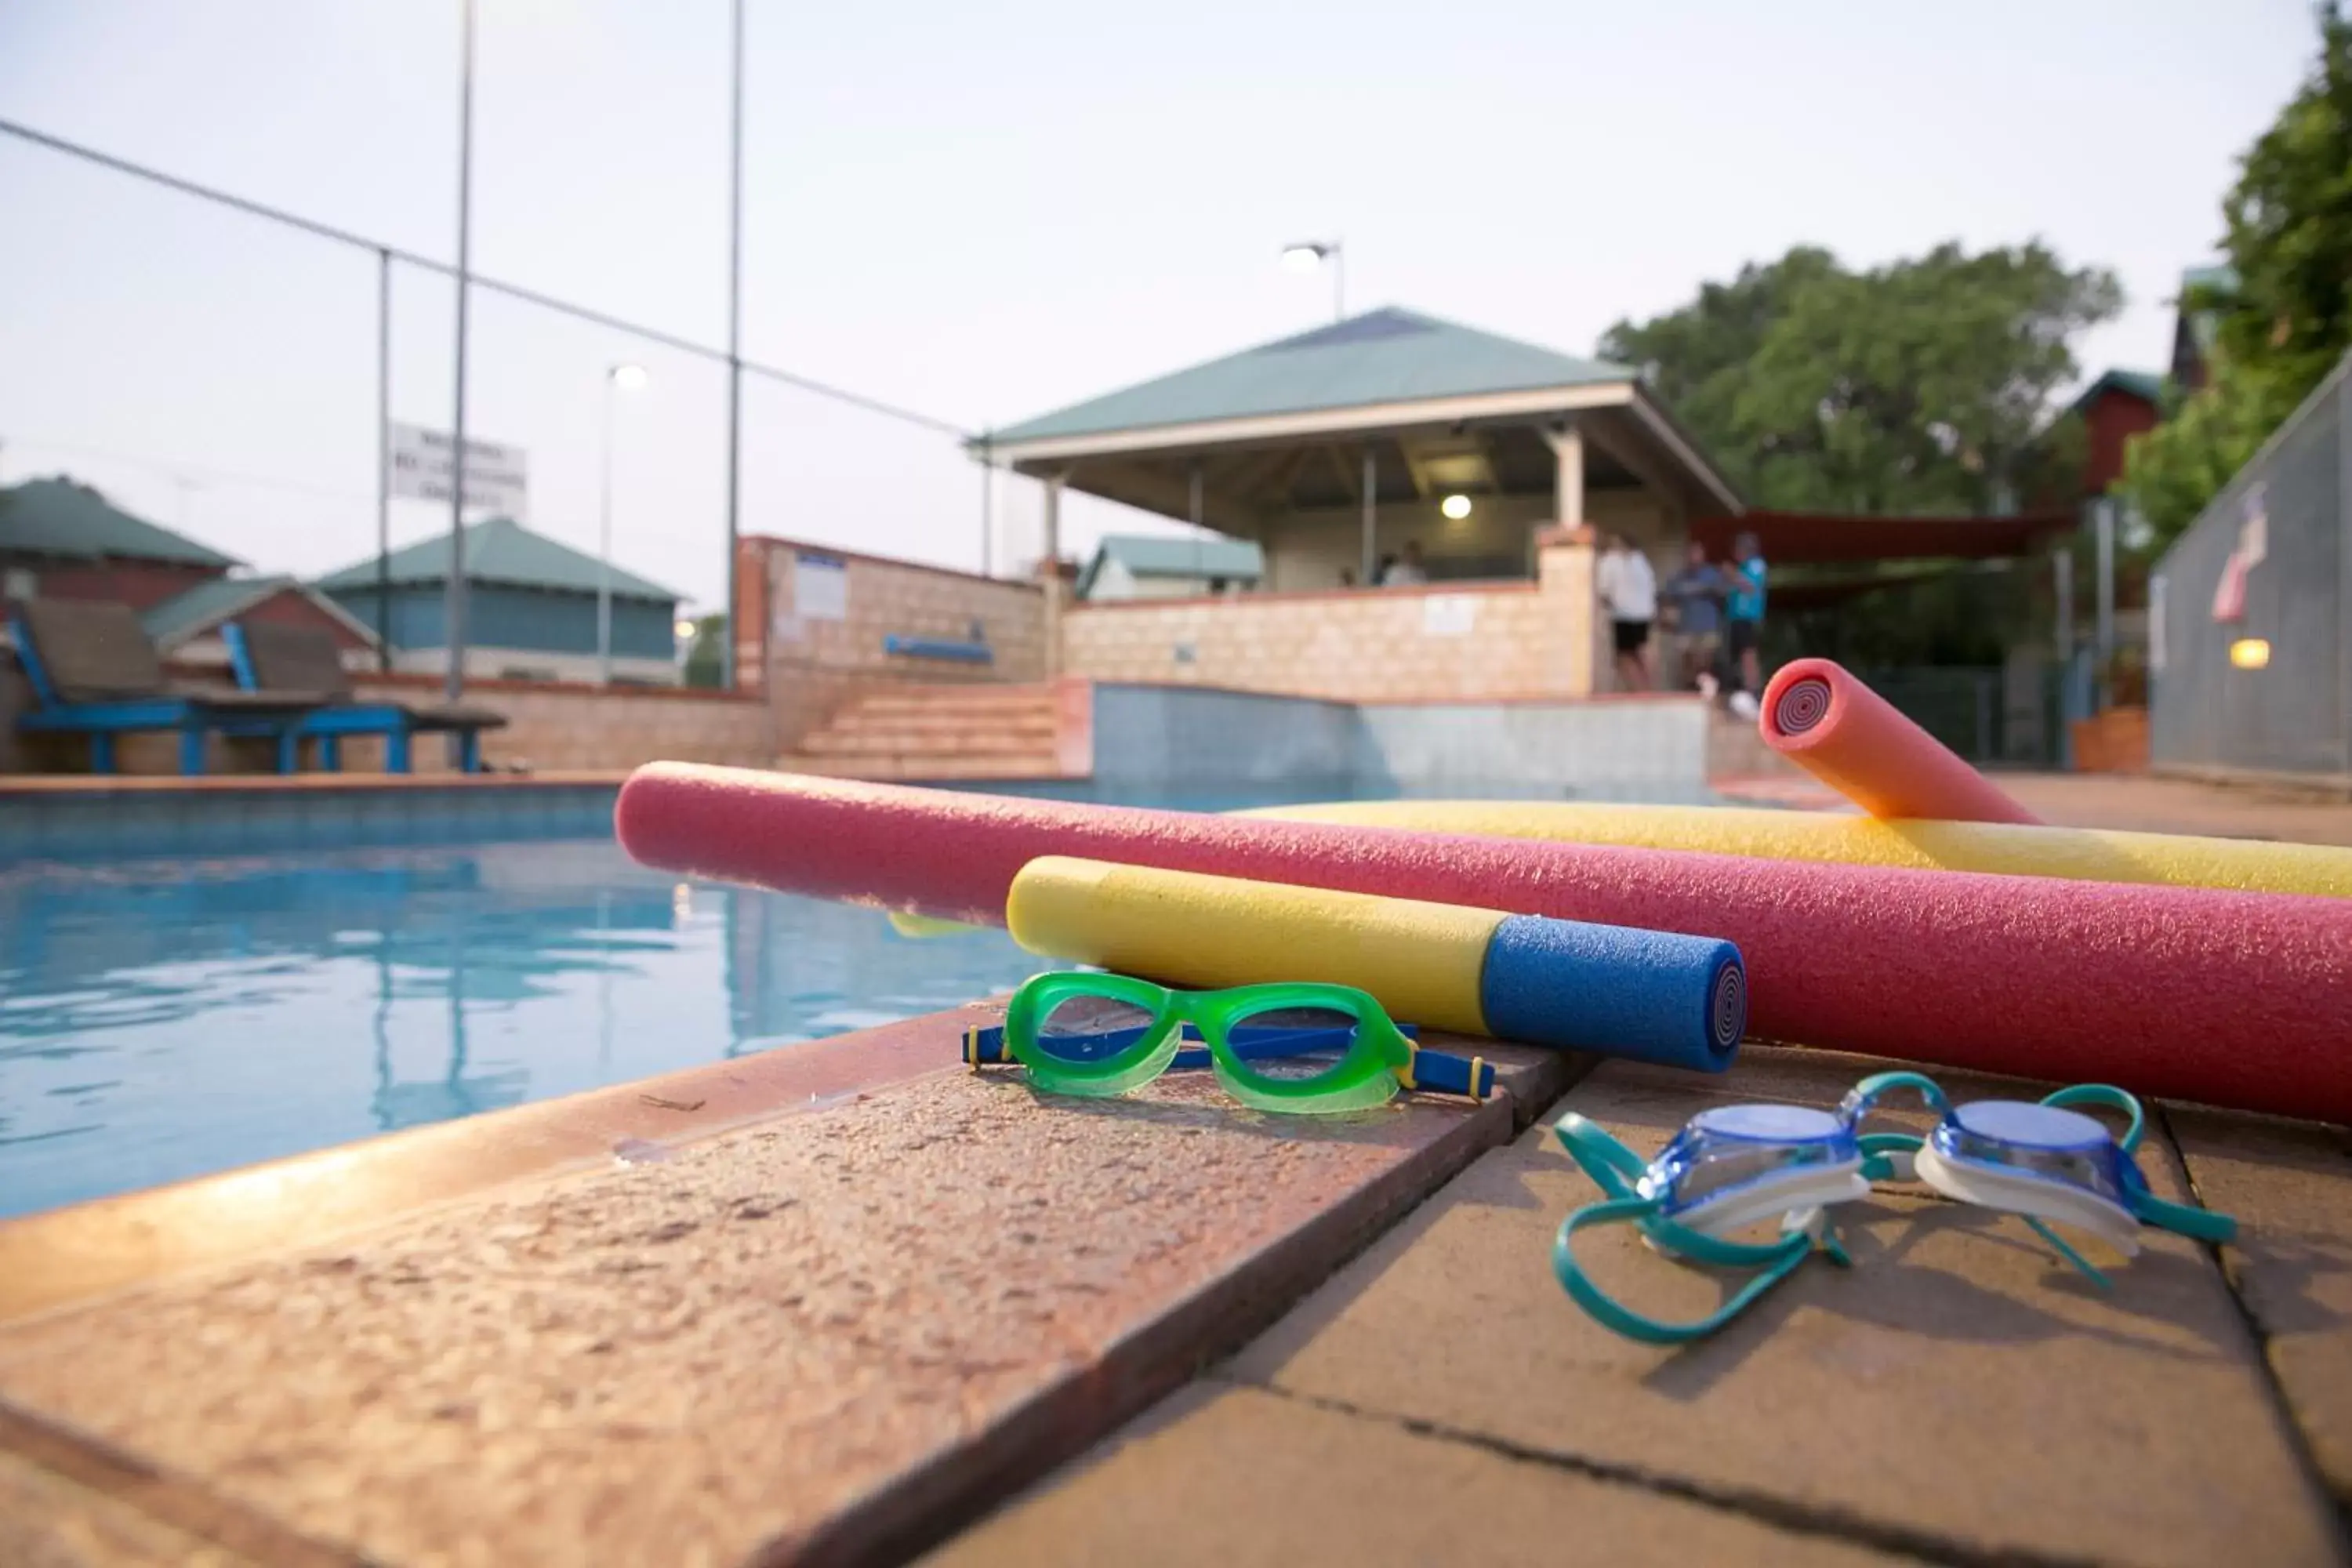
1153, 745
75, 824
1155, 741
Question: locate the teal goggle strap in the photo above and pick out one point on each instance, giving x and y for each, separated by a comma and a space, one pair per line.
1616, 1169
1887, 1156
2181, 1219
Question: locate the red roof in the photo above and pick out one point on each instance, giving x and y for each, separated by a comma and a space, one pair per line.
1796, 538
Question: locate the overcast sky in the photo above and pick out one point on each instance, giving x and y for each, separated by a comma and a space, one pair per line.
983, 212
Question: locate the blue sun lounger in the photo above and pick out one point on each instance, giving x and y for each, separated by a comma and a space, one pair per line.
94, 672
298, 658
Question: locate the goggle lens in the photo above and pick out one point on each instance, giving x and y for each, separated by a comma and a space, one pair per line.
1731, 1146
2045, 1141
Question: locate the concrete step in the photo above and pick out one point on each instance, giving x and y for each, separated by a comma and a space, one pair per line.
944, 722
915, 767
980, 731
975, 698
977, 739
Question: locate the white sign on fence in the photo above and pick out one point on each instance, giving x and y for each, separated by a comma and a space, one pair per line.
497, 477
821, 587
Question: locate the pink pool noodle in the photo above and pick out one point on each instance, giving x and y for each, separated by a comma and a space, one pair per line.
2236, 999
1823, 718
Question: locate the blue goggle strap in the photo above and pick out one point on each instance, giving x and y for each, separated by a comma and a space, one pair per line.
1439, 1072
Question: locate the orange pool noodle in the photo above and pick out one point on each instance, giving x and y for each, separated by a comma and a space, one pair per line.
1823, 719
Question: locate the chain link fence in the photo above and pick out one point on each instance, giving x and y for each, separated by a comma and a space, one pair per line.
2250, 635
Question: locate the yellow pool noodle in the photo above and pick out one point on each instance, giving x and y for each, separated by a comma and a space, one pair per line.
2076, 854
1422, 960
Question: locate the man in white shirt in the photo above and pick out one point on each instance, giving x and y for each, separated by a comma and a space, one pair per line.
1629, 591
1407, 571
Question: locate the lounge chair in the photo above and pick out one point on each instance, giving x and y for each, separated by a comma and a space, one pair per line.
291, 659
94, 672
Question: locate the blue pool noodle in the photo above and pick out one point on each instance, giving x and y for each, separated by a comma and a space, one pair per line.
1652, 996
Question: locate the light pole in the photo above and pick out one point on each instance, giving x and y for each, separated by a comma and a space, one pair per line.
453, 595
1308, 255
617, 378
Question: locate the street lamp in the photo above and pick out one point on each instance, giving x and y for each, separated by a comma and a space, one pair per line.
1308, 255
617, 378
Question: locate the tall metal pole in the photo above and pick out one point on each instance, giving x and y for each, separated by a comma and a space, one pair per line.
605, 548
453, 598
734, 345
382, 459
2104, 606
987, 509
1199, 542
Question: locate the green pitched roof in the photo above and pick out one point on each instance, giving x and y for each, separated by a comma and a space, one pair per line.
501, 551
189, 615
1388, 356
59, 517
183, 616
1154, 555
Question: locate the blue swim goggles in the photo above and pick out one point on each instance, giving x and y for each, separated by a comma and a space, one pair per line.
1734, 1165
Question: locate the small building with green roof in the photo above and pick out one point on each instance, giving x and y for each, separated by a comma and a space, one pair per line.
1159, 566
1333, 449
61, 538
530, 608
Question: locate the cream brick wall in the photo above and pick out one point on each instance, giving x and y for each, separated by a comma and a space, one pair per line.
810, 668
1467, 643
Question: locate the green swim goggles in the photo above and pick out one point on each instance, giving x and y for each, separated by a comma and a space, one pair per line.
1295, 1048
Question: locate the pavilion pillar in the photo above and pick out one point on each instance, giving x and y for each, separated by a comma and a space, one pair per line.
1371, 489
1049, 573
1568, 475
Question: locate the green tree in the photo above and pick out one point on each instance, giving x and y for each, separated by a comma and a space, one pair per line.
705, 657
1921, 386
2287, 319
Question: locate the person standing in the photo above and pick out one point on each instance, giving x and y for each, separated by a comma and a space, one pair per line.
1407, 571
1695, 595
1743, 613
1629, 589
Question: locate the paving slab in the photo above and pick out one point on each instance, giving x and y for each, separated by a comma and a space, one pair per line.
47, 1522
2290, 1184
1959, 1393
828, 1337
1245, 1478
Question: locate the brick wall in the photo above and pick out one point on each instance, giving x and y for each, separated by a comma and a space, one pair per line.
141, 585
557, 729
815, 642
1438, 644
551, 728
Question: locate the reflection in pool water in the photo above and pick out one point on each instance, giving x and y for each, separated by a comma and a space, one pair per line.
162, 1019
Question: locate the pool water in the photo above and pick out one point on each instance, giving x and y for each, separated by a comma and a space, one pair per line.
165, 1018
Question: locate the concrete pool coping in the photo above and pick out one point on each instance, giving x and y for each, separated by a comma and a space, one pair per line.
831, 1303
1051, 1340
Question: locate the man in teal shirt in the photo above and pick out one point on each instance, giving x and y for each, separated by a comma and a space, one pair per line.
1743, 610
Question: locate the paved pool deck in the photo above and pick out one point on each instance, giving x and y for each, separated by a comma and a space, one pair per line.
853, 1303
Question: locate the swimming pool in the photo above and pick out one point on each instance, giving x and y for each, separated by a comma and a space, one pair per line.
263, 975
162, 1018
